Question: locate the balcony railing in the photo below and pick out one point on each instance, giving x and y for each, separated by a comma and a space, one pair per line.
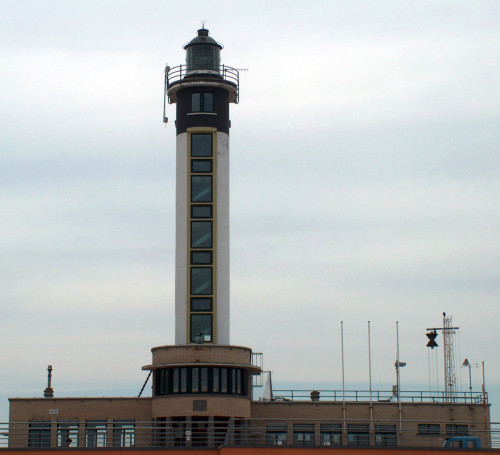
204, 432
179, 75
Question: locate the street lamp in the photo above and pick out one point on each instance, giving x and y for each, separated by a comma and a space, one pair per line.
466, 363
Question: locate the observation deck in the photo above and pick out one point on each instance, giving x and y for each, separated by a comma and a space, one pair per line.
222, 76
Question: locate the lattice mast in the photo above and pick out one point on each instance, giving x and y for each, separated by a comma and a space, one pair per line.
450, 378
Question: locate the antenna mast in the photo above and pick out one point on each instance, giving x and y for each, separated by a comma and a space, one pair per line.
450, 378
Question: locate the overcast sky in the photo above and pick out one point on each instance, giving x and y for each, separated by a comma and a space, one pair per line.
364, 187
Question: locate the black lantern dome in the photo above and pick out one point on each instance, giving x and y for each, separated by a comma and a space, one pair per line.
203, 53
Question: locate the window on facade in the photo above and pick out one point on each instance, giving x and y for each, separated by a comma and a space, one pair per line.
331, 434
216, 381
67, 434
201, 211
183, 380
161, 382
201, 281
160, 432
201, 145
204, 379
201, 326
303, 434
201, 304
175, 380
95, 433
123, 433
39, 434
239, 383
223, 380
201, 166
202, 102
201, 257
385, 435
453, 429
193, 380
201, 188
429, 428
179, 431
276, 434
358, 435
201, 234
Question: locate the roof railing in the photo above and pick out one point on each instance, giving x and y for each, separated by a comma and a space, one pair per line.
380, 396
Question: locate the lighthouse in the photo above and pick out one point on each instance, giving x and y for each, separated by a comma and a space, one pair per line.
202, 90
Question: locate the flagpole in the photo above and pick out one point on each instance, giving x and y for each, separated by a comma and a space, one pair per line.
370, 375
398, 365
343, 378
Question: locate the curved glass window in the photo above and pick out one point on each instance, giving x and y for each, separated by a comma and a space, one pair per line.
196, 380
203, 57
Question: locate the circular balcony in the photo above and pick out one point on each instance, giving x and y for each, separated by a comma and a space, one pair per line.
223, 76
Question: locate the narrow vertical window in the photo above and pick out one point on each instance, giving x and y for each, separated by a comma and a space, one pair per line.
201, 234
208, 102
201, 281
216, 382
204, 380
195, 102
201, 144
183, 380
223, 380
175, 387
195, 382
201, 188
201, 327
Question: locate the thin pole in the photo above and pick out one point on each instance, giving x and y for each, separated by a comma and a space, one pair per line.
397, 378
343, 379
397, 360
370, 374
445, 347
484, 400
470, 383
370, 361
342, 347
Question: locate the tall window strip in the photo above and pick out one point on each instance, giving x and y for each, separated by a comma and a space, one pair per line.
201, 276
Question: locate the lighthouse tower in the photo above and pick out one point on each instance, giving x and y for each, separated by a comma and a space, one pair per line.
202, 90
202, 376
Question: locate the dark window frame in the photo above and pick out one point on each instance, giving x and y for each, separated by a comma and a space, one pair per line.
200, 161
167, 381
67, 429
429, 429
193, 336
194, 143
204, 310
456, 429
123, 433
203, 103
201, 178
200, 206
210, 244
39, 434
94, 435
195, 252
193, 290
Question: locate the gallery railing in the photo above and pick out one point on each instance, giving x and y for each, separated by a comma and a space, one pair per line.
178, 75
204, 432
379, 396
